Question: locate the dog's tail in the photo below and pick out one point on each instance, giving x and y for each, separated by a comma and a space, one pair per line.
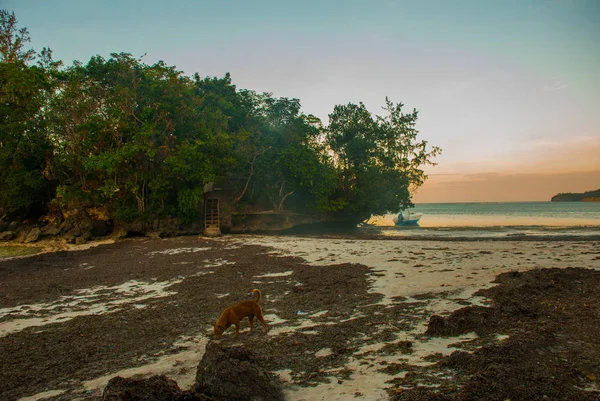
258, 294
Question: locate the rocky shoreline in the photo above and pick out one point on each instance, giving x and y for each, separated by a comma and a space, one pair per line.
80, 228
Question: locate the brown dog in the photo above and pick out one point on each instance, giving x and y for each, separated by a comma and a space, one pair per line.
234, 314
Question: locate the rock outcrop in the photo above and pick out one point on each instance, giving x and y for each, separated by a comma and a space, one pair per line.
33, 235
235, 374
224, 374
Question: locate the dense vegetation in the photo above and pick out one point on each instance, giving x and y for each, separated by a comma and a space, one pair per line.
588, 196
140, 141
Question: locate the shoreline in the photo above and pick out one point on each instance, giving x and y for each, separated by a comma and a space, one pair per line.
432, 237
46, 246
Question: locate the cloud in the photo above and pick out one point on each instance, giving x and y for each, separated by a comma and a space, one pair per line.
555, 85
571, 142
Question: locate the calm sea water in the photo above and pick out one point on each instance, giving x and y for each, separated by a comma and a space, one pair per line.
500, 219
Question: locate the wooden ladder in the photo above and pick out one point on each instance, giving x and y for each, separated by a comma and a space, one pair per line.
211, 214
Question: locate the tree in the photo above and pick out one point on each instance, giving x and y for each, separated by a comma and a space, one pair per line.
24, 148
25, 152
12, 40
116, 140
142, 140
285, 164
379, 160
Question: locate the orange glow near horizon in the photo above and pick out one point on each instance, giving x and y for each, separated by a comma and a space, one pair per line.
495, 187
540, 171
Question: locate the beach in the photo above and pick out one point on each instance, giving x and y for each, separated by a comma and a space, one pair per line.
347, 314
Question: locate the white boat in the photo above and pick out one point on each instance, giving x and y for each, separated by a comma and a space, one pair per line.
407, 218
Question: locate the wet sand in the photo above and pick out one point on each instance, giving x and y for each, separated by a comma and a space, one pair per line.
347, 315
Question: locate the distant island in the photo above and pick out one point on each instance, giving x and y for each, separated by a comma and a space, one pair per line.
588, 196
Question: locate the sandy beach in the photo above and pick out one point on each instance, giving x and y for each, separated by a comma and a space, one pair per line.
347, 315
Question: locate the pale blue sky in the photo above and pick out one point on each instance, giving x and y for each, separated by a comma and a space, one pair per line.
502, 86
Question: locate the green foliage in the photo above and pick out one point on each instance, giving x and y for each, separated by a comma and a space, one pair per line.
378, 160
24, 148
12, 40
289, 162
25, 152
188, 200
143, 140
138, 129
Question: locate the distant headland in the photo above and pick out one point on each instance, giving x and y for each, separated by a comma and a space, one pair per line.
588, 196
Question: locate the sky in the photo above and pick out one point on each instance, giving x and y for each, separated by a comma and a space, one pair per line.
509, 89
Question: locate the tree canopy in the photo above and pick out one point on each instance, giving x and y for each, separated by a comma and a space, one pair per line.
141, 141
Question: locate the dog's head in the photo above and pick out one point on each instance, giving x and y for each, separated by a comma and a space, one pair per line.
219, 328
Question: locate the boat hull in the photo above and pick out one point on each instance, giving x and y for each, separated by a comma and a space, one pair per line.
412, 223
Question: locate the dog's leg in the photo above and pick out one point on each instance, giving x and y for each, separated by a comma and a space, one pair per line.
237, 328
251, 319
260, 317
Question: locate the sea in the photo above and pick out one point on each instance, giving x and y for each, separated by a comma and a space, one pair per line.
498, 220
